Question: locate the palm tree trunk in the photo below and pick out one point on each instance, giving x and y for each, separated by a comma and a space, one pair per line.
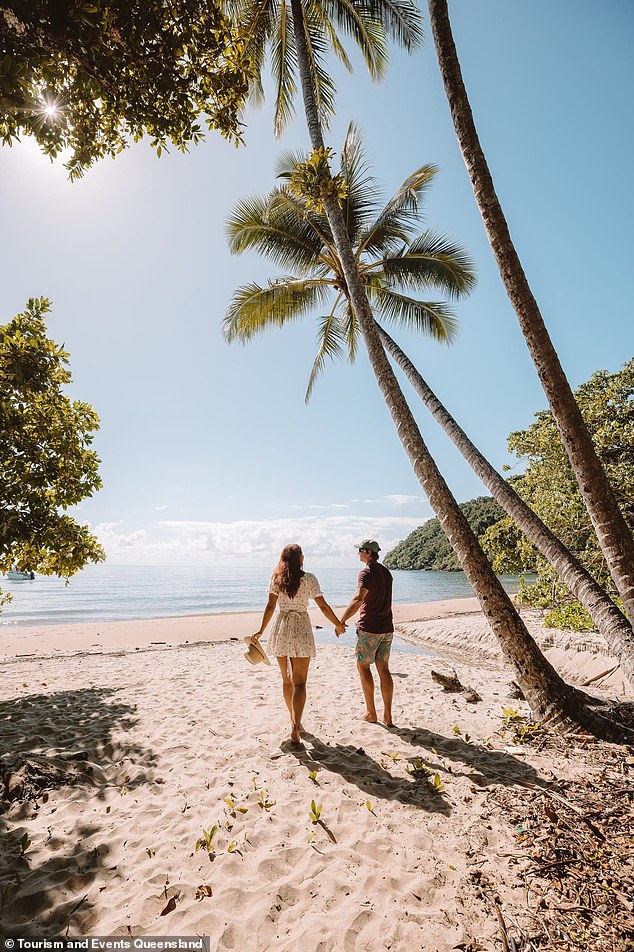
615, 538
549, 697
612, 624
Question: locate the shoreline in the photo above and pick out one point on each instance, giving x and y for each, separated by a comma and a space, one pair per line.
187, 629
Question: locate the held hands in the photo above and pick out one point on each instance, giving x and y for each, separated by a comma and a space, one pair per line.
340, 628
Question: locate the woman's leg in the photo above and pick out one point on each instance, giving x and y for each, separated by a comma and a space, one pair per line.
300, 675
287, 684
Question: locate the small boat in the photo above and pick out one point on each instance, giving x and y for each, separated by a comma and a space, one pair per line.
20, 575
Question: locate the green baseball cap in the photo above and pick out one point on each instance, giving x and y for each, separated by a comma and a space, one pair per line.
370, 545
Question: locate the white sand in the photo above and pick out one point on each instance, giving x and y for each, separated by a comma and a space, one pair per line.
161, 736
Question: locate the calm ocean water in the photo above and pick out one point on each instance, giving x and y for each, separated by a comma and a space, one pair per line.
116, 592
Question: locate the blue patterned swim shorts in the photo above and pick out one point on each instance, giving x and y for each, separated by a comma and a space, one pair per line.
371, 647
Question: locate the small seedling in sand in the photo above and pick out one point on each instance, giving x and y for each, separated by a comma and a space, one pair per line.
314, 815
233, 848
25, 842
524, 733
311, 837
510, 714
393, 757
419, 769
312, 775
264, 802
436, 783
233, 809
206, 842
369, 807
458, 733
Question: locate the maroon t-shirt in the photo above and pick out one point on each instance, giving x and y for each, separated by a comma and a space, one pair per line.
376, 612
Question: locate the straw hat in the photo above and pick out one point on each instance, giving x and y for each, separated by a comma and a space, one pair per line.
255, 653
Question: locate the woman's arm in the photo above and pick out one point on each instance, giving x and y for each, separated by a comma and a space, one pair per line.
266, 617
329, 614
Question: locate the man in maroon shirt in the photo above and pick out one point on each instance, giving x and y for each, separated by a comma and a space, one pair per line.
375, 628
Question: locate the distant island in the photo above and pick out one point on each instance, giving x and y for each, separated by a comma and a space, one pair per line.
427, 548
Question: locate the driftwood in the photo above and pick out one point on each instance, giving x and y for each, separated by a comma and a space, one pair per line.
451, 682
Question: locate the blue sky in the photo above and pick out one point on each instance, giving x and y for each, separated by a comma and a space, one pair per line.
209, 452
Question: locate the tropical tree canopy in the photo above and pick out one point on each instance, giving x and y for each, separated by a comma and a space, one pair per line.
91, 76
268, 25
396, 260
46, 463
427, 548
549, 486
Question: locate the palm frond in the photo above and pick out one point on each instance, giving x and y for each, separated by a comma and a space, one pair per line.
352, 332
256, 23
365, 28
284, 68
359, 204
331, 37
432, 260
330, 341
317, 47
431, 318
315, 222
400, 19
276, 231
254, 309
401, 214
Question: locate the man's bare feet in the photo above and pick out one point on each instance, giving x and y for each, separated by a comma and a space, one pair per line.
295, 735
370, 718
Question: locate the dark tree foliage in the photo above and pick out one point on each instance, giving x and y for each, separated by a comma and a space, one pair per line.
46, 460
90, 76
549, 487
427, 547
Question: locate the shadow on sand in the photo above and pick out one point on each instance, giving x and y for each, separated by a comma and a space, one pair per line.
481, 765
50, 741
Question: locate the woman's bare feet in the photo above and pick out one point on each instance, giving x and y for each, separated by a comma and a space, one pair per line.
295, 735
370, 718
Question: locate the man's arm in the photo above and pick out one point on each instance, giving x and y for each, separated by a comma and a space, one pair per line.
355, 604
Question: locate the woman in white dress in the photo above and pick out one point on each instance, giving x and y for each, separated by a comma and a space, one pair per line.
291, 640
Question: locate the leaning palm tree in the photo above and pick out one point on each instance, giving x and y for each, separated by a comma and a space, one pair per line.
608, 619
388, 263
613, 533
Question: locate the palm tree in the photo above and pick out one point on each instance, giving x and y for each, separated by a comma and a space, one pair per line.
273, 26
611, 622
615, 538
385, 261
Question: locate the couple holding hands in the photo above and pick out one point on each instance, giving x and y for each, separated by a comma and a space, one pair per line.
292, 640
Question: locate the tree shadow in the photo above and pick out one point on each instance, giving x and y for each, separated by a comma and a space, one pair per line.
482, 765
358, 768
50, 741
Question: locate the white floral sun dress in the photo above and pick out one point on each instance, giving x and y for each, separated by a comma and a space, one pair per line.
292, 633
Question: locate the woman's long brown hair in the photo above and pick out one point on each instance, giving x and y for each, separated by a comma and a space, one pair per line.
288, 572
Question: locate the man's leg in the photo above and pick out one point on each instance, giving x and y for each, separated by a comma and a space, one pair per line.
387, 690
367, 684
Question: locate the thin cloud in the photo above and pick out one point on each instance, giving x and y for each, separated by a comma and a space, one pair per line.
326, 539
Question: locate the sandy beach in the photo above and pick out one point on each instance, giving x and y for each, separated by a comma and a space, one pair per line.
127, 745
